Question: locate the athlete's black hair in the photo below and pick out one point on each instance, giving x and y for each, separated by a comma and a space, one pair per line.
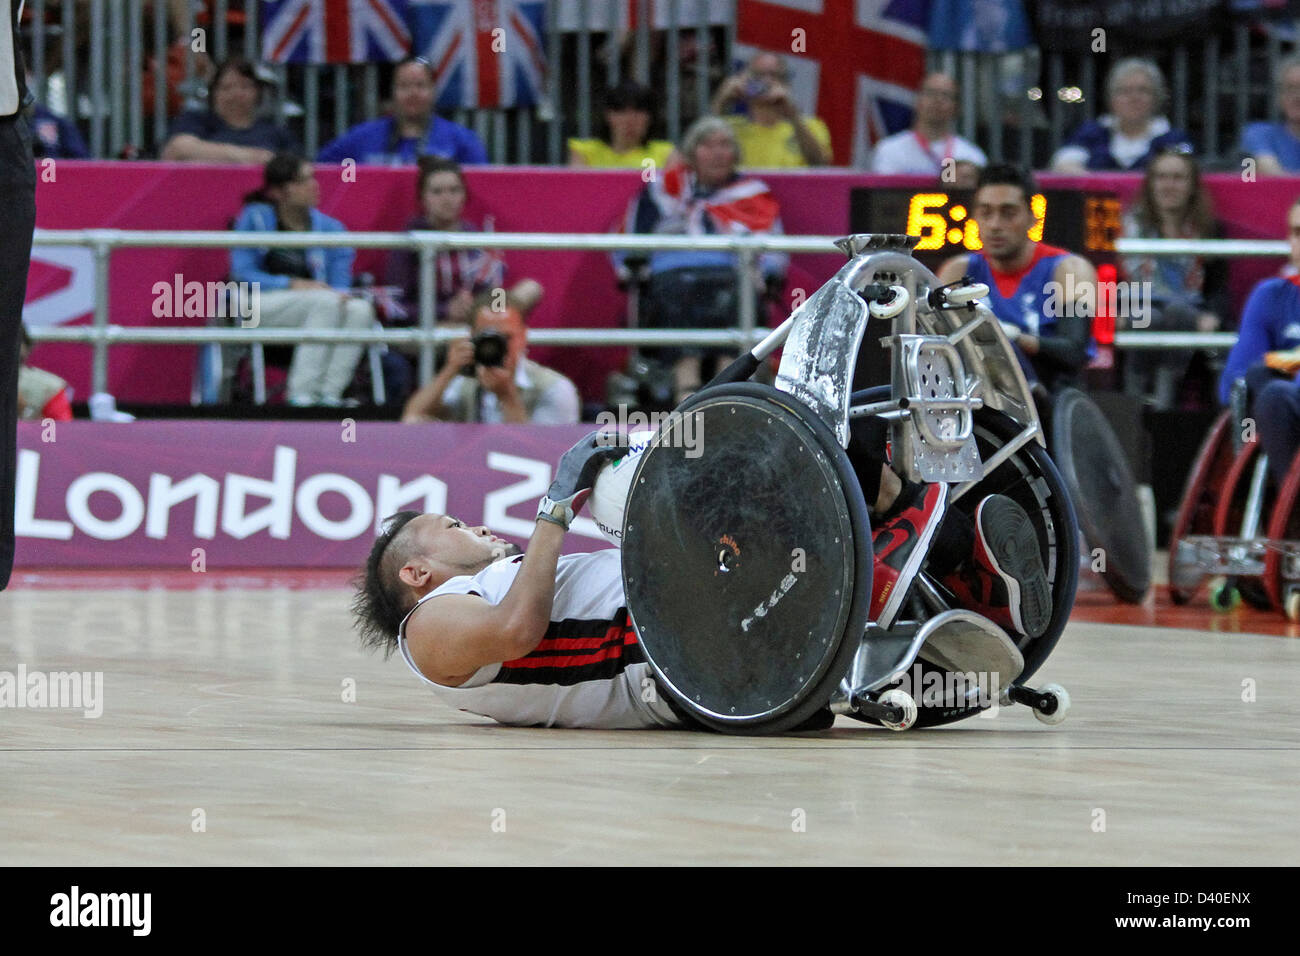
1005, 174
381, 602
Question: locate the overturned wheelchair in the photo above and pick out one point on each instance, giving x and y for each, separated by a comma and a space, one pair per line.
747, 551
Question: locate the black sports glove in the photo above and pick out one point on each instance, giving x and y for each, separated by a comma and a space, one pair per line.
575, 475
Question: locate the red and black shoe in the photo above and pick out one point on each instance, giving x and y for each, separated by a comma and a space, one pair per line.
1005, 579
901, 545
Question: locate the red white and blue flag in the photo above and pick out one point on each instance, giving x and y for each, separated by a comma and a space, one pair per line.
859, 61
484, 53
334, 31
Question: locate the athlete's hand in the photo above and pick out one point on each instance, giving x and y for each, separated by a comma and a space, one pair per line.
575, 475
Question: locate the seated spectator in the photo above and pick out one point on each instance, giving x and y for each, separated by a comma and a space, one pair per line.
931, 147
1127, 137
703, 194
302, 288
41, 394
1275, 147
1270, 321
629, 111
459, 274
231, 130
462, 274
515, 389
1187, 293
772, 133
54, 136
414, 130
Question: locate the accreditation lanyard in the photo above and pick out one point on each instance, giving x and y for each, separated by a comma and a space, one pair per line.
925, 148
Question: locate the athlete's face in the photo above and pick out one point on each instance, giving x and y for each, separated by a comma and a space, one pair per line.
451, 542
437, 548
1003, 216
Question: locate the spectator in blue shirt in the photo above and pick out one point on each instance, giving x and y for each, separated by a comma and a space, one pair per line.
1270, 321
231, 129
1275, 147
413, 131
1125, 139
301, 288
55, 137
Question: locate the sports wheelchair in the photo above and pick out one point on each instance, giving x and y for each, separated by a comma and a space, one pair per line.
747, 554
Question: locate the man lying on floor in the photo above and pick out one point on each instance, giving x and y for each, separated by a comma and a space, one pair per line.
537, 639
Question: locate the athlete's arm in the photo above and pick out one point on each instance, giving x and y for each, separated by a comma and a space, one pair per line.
953, 269
1068, 349
457, 634
453, 635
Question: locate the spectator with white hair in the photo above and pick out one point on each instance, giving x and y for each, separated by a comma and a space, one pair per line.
702, 194
770, 130
1275, 147
1132, 132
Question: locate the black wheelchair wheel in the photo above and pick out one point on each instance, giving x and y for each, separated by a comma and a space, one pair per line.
1096, 471
747, 568
1030, 479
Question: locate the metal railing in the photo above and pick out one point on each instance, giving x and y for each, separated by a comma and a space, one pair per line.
427, 244
101, 334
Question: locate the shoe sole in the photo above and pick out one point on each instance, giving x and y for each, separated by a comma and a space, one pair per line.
913, 564
1012, 546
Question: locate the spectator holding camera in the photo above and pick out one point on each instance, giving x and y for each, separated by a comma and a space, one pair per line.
302, 288
487, 378
772, 132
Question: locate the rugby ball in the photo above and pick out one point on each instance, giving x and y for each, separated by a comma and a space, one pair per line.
613, 484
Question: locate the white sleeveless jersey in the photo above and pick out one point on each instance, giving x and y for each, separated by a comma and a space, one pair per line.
588, 671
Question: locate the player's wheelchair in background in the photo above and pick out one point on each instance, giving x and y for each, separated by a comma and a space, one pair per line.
1236, 524
747, 553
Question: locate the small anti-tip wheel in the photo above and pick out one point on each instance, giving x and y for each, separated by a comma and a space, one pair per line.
887, 310
1292, 606
1062, 698
1225, 597
903, 700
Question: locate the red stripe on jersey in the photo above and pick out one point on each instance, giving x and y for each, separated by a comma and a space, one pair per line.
1008, 282
608, 646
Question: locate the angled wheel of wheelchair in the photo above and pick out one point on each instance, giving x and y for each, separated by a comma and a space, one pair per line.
1197, 506
747, 560
1029, 477
1089, 456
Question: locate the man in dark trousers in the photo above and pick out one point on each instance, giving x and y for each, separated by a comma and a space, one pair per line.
17, 220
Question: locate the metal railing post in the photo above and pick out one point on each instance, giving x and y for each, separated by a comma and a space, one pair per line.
103, 249
428, 306
747, 299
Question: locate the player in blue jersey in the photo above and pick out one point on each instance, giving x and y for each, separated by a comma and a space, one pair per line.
1270, 321
1044, 296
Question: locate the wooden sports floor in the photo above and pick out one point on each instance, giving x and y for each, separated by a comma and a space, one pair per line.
225, 738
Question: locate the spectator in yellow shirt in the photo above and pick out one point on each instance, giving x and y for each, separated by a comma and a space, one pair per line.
773, 133
629, 111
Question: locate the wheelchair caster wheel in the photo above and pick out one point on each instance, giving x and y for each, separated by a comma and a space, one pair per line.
1060, 697
1225, 597
902, 700
1292, 606
887, 310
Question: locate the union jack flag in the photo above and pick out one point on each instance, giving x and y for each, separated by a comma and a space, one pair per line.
865, 60
334, 31
484, 53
